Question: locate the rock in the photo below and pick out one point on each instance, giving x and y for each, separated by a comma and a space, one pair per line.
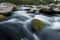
45, 9
2, 17
39, 22
50, 9
31, 11
56, 10
6, 8
52, 5
58, 5
28, 5
25, 5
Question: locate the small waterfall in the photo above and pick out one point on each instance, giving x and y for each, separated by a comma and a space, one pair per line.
44, 19
22, 15
56, 23
56, 26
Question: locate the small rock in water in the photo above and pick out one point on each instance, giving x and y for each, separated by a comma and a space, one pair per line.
31, 11
2, 17
37, 24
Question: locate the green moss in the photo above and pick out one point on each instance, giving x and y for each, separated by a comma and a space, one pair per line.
37, 24
2, 17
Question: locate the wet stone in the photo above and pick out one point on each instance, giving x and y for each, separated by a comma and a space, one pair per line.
6, 8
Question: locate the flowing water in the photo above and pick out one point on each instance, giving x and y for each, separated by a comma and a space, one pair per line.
25, 18
54, 21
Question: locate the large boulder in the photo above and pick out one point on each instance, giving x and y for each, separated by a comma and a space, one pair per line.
45, 9
50, 8
58, 5
6, 8
52, 5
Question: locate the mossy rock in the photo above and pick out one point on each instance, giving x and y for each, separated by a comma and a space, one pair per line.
37, 24
2, 17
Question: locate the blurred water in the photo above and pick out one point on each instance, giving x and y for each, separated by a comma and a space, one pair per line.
25, 18
23, 8
54, 21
